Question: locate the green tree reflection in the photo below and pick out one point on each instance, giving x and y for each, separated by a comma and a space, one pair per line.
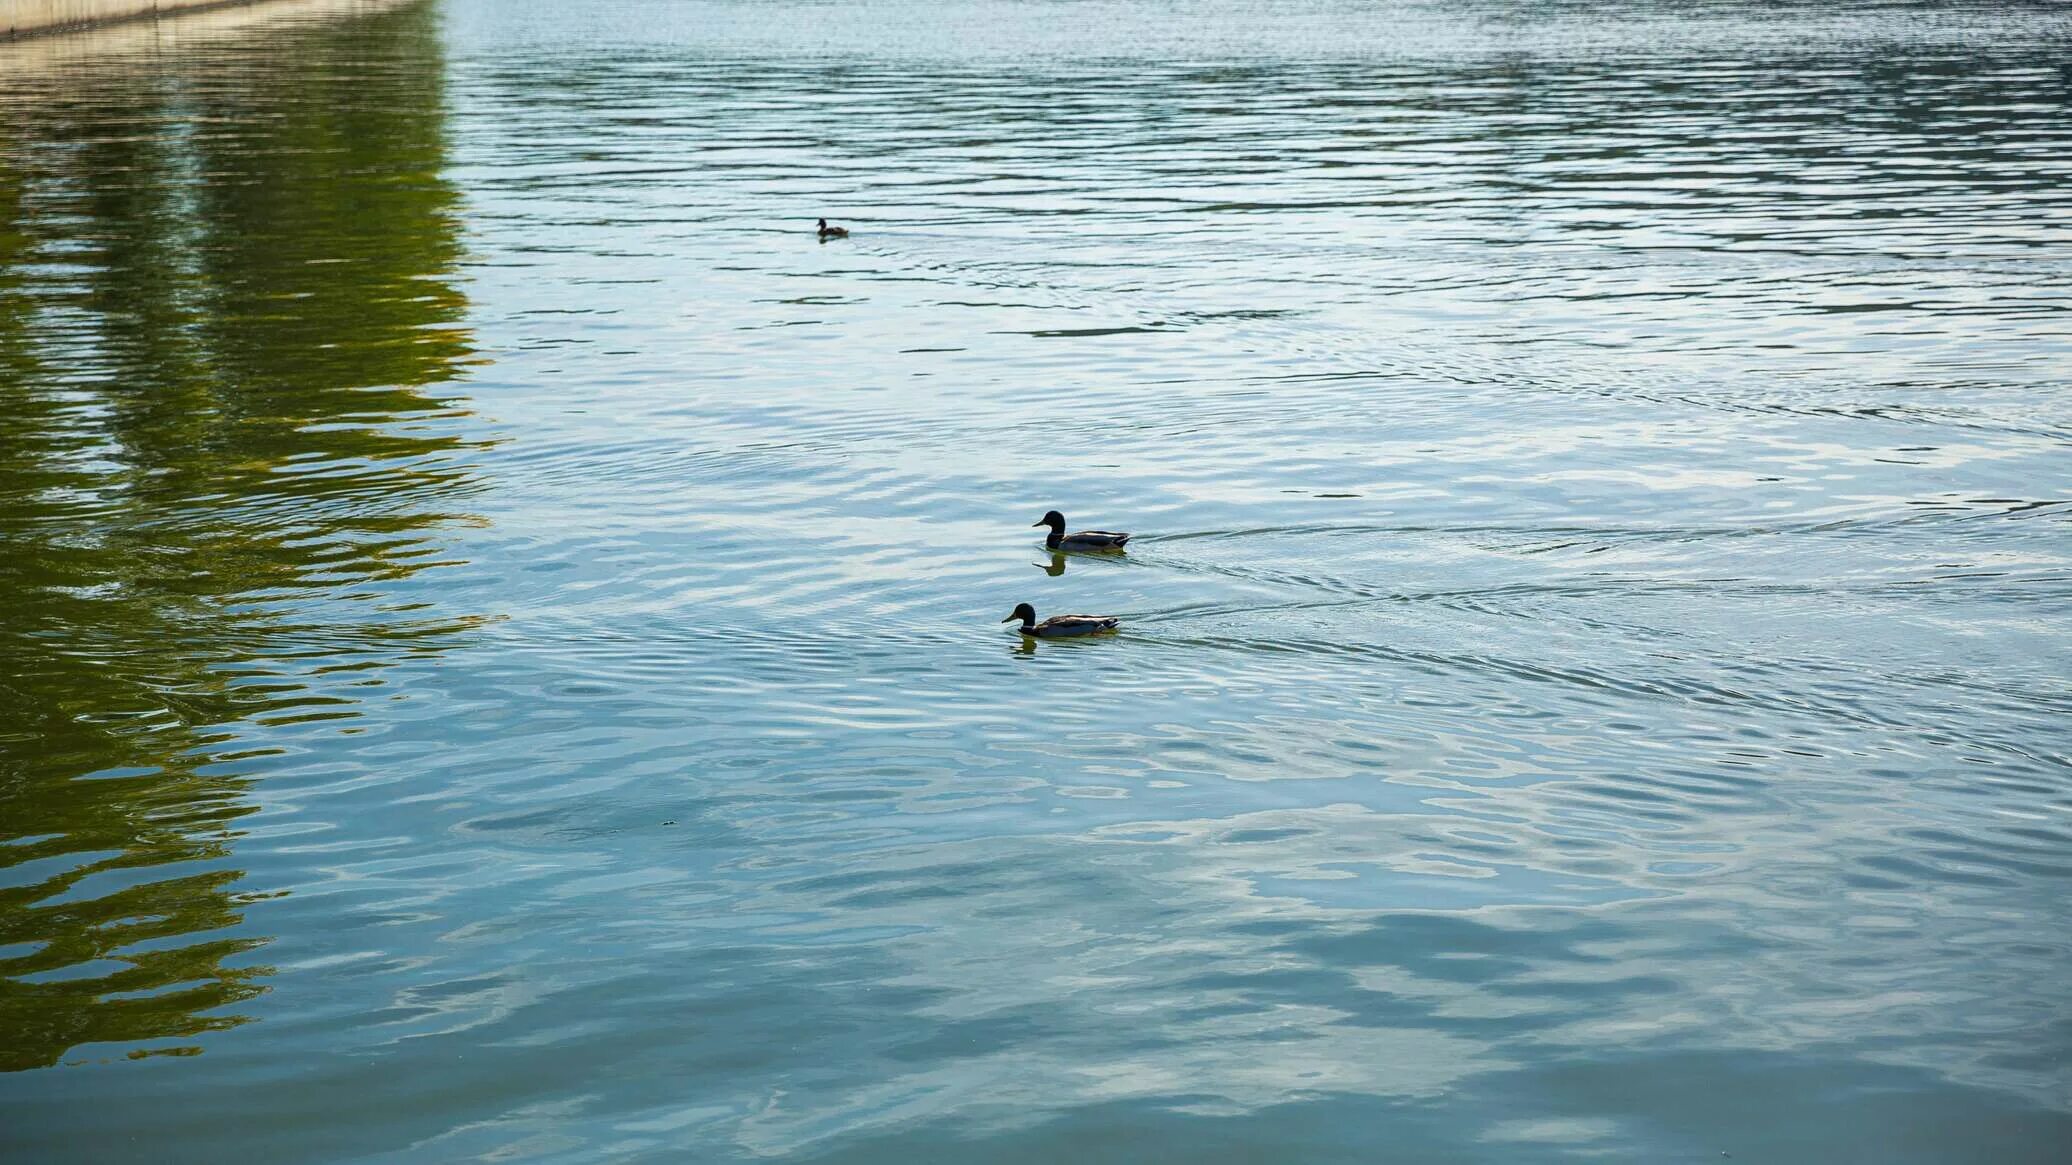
227, 299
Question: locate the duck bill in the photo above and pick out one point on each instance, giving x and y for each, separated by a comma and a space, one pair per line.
1033, 525
1012, 619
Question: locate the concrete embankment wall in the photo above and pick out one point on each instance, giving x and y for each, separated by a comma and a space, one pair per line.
23, 17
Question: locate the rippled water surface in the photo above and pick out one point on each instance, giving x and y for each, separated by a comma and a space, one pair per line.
498, 625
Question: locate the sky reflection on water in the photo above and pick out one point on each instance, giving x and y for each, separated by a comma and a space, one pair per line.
495, 601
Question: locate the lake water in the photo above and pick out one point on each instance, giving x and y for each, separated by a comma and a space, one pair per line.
500, 655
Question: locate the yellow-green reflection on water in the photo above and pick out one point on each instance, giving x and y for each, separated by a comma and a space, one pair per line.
227, 317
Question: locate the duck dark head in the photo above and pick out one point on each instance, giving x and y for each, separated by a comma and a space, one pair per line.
1023, 612
823, 224
1054, 520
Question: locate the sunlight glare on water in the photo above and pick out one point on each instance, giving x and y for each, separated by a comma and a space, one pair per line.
501, 653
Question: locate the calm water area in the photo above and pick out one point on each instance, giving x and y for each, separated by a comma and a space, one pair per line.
499, 626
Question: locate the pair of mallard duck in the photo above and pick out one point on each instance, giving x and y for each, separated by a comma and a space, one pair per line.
1069, 626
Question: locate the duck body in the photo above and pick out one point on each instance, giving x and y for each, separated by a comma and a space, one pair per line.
827, 232
1079, 539
1062, 626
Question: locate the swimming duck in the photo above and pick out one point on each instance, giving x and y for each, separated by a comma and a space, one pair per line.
1078, 539
827, 232
1061, 626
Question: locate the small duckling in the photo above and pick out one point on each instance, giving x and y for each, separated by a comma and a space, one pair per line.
827, 232
1078, 539
1061, 626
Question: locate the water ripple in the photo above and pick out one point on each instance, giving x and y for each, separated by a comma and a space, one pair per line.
1593, 671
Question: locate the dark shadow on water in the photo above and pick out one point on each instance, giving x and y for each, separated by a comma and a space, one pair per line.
227, 308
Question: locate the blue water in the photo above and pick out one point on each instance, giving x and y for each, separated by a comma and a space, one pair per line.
501, 656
